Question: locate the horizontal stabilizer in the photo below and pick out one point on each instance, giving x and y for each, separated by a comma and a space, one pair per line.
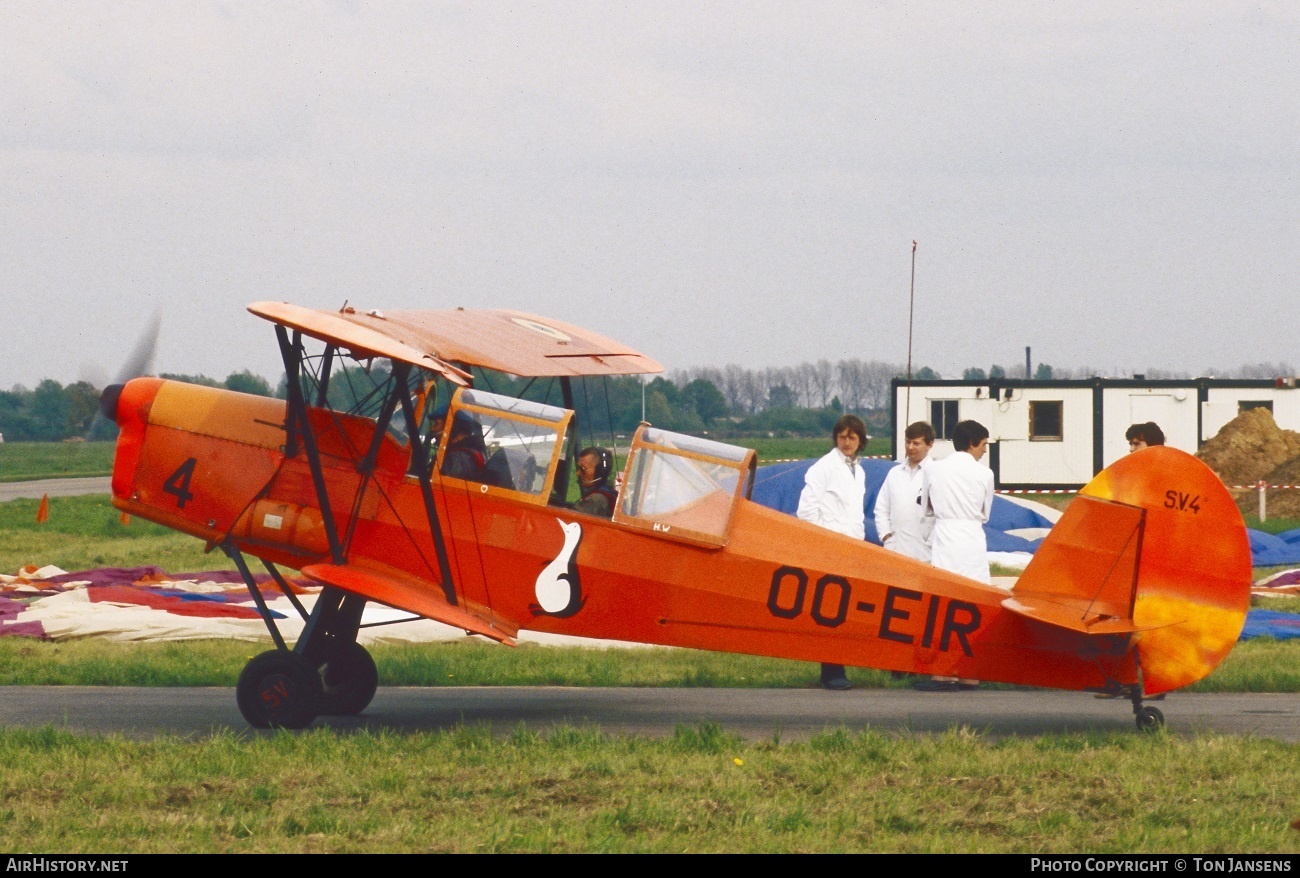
386, 585
1077, 615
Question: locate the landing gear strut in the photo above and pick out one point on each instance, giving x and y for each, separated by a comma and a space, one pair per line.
1148, 718
326, 673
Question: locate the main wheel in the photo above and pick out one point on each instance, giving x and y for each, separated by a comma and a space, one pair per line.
279, 690
1149, 719
350, 679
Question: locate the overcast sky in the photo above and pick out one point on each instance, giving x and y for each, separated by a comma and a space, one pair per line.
1113, 184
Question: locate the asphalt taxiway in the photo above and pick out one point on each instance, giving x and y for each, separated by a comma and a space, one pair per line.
752, 714
74, 487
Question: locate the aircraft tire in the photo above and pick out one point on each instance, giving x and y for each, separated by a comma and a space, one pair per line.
279, 690
350, 680
1149, 719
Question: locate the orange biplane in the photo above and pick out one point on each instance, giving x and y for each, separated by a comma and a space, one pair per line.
1140, 588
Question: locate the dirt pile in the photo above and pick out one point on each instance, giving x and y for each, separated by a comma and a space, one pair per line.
1252, 447
1249, 447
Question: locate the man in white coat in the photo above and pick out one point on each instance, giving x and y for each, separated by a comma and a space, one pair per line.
833, 493
958, 490
901, 521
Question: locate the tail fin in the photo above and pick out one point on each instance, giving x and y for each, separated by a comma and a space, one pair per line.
1154, 546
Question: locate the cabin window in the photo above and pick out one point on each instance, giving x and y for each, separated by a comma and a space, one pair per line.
1245, 405
943, 417
684, 486
501, 441
1046, 420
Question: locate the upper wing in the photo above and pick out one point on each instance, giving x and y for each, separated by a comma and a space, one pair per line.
361, 340
506, 341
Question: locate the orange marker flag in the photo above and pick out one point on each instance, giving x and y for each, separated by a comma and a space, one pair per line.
43, 511
124, 518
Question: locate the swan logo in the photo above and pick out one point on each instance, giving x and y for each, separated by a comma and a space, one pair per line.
558, 589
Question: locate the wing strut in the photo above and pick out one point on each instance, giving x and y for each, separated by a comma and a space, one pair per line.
420, 460
323, 388
298, 426
575, 440
366, 466
285, 589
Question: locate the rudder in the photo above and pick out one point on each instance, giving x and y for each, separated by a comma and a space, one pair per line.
1155, 543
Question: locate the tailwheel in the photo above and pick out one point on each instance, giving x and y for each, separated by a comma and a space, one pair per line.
279, 690
350, 680
1149, 719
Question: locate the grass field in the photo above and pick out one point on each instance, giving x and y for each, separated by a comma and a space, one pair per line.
84, 533
23, 461
576, 790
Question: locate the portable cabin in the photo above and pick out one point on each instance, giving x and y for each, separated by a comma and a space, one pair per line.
1058, 434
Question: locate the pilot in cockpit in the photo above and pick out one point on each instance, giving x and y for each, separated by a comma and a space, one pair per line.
466, 455
595, 466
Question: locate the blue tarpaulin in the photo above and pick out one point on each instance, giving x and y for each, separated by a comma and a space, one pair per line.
1271, 623
1273, 550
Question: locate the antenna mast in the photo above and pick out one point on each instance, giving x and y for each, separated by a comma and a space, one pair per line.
911, 297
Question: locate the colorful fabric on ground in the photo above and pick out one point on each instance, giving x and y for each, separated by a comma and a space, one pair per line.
144, 604
197, 605
27, 598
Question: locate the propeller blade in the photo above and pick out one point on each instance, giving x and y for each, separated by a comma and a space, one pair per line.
139, 363
141, 360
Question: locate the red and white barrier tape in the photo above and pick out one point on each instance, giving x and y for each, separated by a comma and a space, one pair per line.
1039, 491
1075, 490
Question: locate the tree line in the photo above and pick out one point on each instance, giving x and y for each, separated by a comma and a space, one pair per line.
728, 401
53, 412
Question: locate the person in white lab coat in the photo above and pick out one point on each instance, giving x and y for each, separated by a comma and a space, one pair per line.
958, 490
901, 521
833, 493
